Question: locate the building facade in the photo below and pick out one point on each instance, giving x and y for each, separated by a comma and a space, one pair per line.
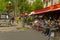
30, 1
50, 2
47, 3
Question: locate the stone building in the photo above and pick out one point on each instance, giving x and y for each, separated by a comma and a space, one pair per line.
50, 2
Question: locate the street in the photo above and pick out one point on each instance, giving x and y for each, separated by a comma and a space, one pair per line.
15, 33
11, 33
21, 19
28, 34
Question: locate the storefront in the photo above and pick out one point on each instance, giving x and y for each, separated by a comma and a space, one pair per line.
49, 12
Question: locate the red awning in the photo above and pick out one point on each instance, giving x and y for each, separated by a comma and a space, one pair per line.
48, 9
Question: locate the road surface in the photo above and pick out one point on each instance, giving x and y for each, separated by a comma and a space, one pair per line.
22, 35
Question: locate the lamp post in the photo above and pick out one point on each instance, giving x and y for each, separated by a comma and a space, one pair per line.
9, 2
9, 7
23, 21
15, 7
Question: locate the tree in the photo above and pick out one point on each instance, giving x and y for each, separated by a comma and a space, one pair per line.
24, 6
37, 4
3, 5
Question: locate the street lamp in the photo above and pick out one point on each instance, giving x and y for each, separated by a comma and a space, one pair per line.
9, 2
23, 21
9, 7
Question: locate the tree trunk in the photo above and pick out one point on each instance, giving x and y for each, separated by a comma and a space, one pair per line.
15, 7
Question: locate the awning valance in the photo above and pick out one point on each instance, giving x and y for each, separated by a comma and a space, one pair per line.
47, 9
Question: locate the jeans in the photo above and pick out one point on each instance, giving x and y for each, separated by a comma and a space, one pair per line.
47, 31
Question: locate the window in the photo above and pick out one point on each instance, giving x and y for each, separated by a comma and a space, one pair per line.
59, 1
31, 0
56, 1
43, 1
52, 2
46, 4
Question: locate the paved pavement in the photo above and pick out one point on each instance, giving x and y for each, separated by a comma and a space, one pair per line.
28, 34
14, 27
11, 33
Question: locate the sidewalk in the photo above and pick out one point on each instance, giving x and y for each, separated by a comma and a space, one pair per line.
17, 27
7, 29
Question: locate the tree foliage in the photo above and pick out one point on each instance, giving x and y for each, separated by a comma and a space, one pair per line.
3, 5
37, 4
24, 7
